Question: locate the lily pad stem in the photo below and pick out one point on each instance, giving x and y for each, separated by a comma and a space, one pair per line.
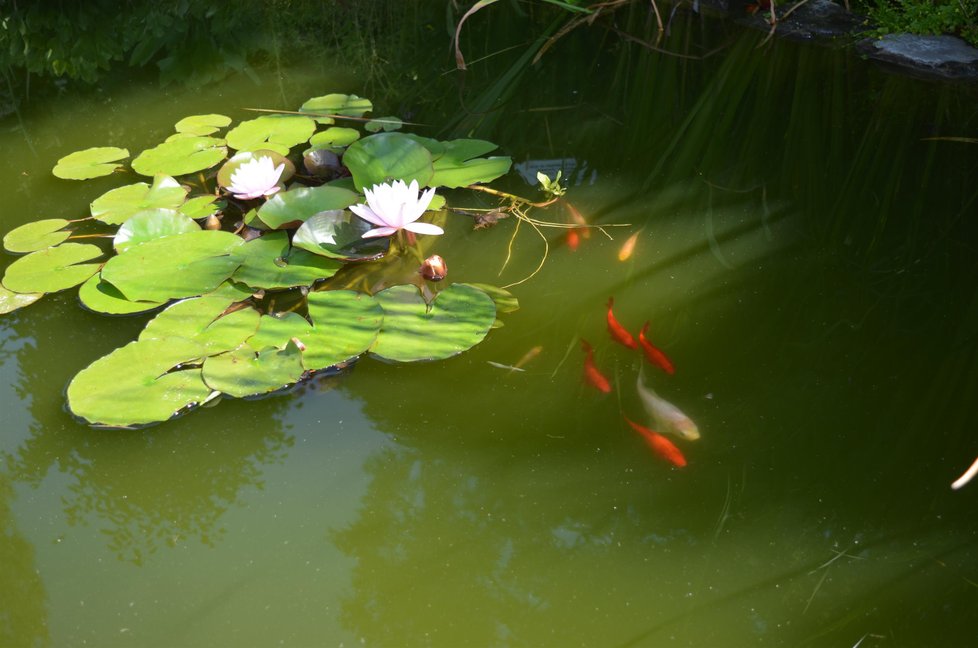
513, 197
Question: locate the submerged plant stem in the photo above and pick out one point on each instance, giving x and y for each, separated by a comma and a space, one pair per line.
543, 260
509, 247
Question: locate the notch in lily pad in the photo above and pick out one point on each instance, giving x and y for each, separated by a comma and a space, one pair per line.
118, 205
200, 125
181, 156
37, 235
271, 132
342, 105
148, 383
90, 163
52, 269
152, 224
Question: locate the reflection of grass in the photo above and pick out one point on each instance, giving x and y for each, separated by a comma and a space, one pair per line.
22, 595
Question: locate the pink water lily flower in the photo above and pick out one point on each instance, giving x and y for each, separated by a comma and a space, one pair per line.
256, 178
394, 207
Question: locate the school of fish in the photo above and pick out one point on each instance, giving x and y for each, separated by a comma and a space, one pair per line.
666, 417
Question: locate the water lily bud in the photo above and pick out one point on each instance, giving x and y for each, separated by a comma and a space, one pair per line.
434, 268
212, 222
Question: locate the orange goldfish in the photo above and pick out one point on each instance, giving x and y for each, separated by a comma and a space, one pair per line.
578, 219
618, 332
628, 248
591, 374
528, 356
659, 444
653, 353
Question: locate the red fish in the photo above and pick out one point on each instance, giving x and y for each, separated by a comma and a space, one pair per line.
618, 332
591, 373
653, 353
573, 239
660, 445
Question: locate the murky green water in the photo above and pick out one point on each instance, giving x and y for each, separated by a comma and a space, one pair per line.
805, 258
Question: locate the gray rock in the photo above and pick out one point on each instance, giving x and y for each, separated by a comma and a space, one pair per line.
946, 57
821, 20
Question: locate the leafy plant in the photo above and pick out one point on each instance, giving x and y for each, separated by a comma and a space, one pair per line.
958, 17
244, 244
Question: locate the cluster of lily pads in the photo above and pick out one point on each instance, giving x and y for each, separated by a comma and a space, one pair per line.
282, 248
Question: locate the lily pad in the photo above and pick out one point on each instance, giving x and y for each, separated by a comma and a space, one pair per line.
100, 296
232, 165
90, 163
505, 301
463, 174
457, 320
277, 133
276, 331
435, 147
204, 321
181, 156
462, 149
269, 262
11, 301
334, 138
378, 158
200, 207
336, 104
116, 206
152, 224
176, 136
345, 324
385, 124
136, 384
182, 265
299, 204
245, 372
202, 124
339, 235
52, 269
455, 166
36, 236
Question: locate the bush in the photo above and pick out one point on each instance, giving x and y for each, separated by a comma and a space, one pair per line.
958, 17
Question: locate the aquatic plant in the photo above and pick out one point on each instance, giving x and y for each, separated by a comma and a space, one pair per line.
394, 207
266, 266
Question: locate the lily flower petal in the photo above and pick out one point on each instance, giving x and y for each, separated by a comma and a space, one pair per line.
255, 178
395, 206
379, 231
367, 214
424, 228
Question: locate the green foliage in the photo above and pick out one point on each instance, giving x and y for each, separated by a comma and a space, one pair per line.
246, 311
958, 17
196, 41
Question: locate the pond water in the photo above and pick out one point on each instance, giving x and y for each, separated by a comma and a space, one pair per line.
805, 257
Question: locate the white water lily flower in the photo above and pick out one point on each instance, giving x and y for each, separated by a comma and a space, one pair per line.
394, 207
255, 178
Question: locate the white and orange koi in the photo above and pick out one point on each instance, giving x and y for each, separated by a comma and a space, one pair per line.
667, 417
